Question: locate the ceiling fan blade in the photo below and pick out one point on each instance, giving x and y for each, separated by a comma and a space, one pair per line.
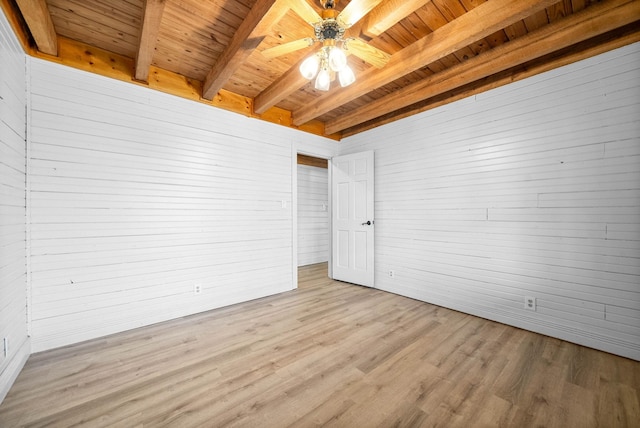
305, 11
355, 10
366, 52
286, 48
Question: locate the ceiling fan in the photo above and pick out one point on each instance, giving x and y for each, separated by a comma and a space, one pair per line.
329, 29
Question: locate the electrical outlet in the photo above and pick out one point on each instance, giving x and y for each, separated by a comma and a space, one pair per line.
197, 288
392, 274
5, 346
530, 303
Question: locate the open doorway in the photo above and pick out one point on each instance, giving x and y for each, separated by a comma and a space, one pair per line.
313, 215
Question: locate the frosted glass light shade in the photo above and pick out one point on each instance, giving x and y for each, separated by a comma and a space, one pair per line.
309, 67
346, 76
323, 81
337, 59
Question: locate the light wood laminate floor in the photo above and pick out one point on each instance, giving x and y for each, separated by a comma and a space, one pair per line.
327, 354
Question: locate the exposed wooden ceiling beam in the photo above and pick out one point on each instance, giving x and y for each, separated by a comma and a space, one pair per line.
588, 23
152, 16
281, 88
263, 15
620, 37
388, 14
36, 14
474, 25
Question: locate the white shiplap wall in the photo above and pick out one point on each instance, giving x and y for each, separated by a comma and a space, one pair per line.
313, 215
136, 196
13, 279
532, 189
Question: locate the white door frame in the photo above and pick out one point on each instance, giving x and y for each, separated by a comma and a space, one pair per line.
294, 207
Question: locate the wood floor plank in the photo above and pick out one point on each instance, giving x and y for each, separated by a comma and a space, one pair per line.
326, 354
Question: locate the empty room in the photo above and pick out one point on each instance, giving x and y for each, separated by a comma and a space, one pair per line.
306, 213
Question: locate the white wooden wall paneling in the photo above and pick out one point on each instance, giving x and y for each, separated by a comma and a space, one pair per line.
170, 266
136, 196
626, 270
541, 275
529, 189
13, 253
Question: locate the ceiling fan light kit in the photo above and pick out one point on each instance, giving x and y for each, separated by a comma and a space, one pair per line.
324, 64
310, 66
323, 81
346, 77
337, 59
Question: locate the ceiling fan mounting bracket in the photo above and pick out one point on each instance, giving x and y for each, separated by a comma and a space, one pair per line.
328, 4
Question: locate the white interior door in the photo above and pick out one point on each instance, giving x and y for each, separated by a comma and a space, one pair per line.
352, 222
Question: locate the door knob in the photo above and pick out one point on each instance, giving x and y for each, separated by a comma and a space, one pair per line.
368, 223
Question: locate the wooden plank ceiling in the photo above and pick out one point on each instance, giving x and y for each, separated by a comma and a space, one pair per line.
441, 50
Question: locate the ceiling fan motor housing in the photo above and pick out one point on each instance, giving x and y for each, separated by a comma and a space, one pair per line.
329, 29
